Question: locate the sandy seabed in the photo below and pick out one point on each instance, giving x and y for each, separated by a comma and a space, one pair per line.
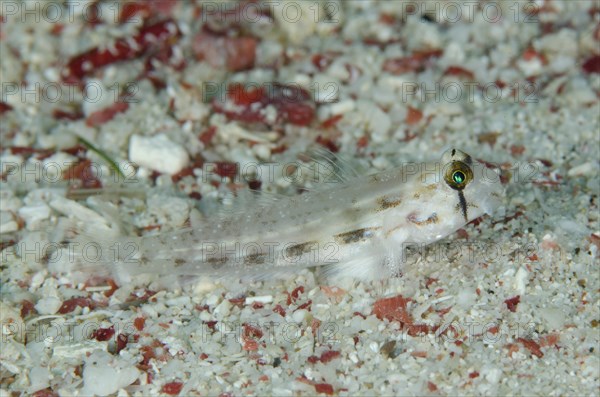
140, 114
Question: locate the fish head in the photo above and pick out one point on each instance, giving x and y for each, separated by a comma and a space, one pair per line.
451, 193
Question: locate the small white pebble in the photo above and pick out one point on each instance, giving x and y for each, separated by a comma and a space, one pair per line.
260, 299
493, 375
553, 317
48, 305
33, 214
222, 309
37, 280
103, 376
157, 153
374, 346
74, 209
40, 377
7, 223
521, 280
589, 168
212, 300
342, 107
299, 315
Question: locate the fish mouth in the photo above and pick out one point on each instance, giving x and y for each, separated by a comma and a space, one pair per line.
492, 203
490, 191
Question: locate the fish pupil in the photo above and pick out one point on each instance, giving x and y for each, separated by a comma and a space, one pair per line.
458, 177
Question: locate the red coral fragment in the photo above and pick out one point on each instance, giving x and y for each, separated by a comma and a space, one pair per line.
532, 346
336, 293
387, 19
4, 107
250, 337
211, 324
27, 308
122, 340
251, 331
301, 114
549, 340
332, 121
172, 388
113, 287
241, 95
45, 393
123, 49
322, 61
293, 296
196, 163
84, 172
207, 135
139, 323
279, 310
460, 72
329, 355
328, 144
232, 53
250, 345
509, 218
324, 388
592, 64
103, 334
530, 54
362, 142
292, 103
101, 116
431, 387
305, 305
59, 114
413, 115
131, 9
148, 354
145, 9
394, 309
413, 63
226, 169
147, 295
512, 303
70, 304
239, 301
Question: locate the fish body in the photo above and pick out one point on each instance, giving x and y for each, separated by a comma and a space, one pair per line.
357, 228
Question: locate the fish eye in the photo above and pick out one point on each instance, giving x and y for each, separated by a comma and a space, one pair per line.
458, 175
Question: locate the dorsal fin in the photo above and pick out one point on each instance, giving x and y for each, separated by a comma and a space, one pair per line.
227, 202
327, 167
